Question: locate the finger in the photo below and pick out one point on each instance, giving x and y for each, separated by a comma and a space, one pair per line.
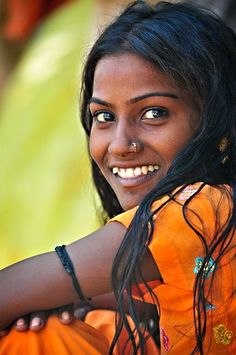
37, 321
21, 324
65, 314
80, 313
4, 332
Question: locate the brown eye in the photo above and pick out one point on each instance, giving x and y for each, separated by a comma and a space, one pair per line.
104, 117
155, 114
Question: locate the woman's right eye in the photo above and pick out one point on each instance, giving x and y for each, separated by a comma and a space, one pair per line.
103, 117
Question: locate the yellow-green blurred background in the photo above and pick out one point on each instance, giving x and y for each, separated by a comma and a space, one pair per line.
46, 194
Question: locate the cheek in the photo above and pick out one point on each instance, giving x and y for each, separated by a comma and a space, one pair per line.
172, 142
93, 147
174, 146
97, 148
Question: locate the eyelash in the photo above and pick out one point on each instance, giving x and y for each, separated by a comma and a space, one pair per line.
109, 117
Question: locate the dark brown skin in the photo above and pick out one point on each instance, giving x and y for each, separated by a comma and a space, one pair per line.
66, 314
48, 286
134, 102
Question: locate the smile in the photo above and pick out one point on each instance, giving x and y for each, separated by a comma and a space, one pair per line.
129, 173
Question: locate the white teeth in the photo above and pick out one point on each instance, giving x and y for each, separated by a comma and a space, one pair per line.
115, 170
150, 168
122, 173
144, 170
130, 172
133, 172
137, 171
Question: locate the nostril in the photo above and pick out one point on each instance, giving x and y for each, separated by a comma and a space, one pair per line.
123, 146
119, 147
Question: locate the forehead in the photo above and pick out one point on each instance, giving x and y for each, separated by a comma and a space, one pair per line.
130, 70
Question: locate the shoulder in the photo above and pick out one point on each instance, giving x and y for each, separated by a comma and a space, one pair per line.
201, 192
206, 199
199, 204
198, 198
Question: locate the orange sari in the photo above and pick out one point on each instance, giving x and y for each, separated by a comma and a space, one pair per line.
178, 253
91, 337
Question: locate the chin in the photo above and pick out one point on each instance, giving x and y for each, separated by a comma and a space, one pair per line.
128, 204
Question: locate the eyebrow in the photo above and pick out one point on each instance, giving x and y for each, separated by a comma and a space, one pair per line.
98, 101
151, 94
135, 99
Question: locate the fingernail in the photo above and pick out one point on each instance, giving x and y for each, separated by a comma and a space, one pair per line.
20, 322
35, 322
65, 315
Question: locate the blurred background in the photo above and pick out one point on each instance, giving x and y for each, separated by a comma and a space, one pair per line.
46, 194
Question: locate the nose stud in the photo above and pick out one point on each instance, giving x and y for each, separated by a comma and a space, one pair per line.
133, 147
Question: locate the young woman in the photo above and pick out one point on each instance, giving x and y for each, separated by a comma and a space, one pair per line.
158, 106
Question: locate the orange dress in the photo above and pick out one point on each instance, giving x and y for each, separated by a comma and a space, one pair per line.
178, 253
92, 337
56, 339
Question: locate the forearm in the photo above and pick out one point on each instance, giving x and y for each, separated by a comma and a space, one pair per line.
41, 282
35, 283
105, 301
108, 301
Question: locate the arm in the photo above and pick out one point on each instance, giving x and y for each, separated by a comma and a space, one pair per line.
41, 283
108, 301
37, 320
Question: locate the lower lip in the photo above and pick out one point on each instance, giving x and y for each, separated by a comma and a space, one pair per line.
137, 180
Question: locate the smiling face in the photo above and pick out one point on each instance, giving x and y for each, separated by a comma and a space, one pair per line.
141, 121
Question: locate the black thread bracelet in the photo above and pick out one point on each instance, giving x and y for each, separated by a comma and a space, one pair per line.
68, 266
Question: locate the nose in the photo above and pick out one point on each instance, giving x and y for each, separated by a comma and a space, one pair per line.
124, 140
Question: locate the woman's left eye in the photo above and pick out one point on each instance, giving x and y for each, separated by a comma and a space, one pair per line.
155, 114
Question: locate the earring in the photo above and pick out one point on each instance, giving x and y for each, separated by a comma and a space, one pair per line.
225, 159
133, 147
223, 144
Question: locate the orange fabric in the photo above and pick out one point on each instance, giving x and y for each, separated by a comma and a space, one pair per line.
90, 338
178, 253
104, 321
56, 339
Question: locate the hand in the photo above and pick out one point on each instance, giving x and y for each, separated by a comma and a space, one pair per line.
81, 309
37, 320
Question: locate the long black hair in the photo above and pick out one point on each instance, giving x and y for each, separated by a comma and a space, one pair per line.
198, 52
